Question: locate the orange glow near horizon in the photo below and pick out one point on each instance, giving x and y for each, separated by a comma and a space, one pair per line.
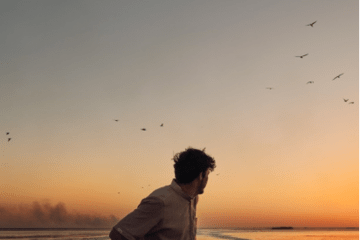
319, 201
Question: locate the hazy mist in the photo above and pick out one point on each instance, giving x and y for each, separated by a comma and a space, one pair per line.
44, 215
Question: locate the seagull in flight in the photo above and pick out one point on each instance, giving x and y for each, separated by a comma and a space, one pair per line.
338, 76
311, 24
345, 100
310, 82
116, 120
162, 125
144, 129
302, 55
269, 88
9, 139
7, 133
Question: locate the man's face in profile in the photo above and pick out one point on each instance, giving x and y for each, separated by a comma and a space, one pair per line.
203, 182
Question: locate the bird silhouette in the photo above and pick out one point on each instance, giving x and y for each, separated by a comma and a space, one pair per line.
7, 133
144, 129
345, 100
9, 139
310, 82
338, 76
302, 55
269, 88
162, 125
116, 120
311, 24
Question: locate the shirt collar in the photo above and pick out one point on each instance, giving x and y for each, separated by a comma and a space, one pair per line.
174, 185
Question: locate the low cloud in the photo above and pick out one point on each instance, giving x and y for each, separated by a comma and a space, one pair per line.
45, 215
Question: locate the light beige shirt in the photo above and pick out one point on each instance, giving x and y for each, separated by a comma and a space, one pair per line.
166, 214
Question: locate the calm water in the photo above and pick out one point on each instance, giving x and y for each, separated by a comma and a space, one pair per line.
57, 234
203, 234
267, 234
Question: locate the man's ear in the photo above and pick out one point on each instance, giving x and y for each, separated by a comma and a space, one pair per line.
201, 176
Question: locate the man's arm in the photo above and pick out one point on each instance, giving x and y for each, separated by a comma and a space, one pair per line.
115, 235
139, 222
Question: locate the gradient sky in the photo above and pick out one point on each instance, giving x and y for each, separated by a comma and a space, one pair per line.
285, 156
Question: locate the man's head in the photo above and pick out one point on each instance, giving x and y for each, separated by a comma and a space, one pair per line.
193, 165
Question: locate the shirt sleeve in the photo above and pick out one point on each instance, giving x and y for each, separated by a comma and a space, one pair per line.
139, 222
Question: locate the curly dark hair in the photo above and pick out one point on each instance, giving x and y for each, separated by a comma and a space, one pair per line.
190, 163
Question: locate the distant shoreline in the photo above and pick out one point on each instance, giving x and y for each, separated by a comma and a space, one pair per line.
282, 228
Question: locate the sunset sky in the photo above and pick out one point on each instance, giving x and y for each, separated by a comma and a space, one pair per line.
285, 156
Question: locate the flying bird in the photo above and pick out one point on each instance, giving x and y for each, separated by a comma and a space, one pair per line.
7, 133
338, 76
302, 55
116, 120
345, 100
269, 88
9, 139
310, 82
311, 24
351, 102
144, 129
162, 125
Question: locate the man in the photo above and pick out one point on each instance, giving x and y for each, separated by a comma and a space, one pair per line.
169, 213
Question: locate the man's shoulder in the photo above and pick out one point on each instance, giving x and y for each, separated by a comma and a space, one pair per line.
163, 193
